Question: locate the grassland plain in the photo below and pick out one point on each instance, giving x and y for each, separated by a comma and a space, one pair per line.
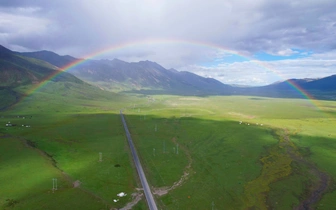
65, 135
255, 164
243, 152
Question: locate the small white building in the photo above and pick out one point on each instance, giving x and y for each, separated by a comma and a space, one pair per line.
122, 194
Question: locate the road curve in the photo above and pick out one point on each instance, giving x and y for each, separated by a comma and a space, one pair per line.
148, 194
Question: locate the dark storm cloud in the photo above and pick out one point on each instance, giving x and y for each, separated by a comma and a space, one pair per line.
243, 25
292, 24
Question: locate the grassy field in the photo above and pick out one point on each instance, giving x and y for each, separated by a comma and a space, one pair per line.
70, 132
223, 152
233, 165
26, 181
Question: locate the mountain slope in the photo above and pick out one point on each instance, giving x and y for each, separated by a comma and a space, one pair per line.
118, 75
17, 70
324, 88
50, 57
323, 84
146, 75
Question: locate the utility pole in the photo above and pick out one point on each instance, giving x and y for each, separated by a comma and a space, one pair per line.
100, 156
54, 181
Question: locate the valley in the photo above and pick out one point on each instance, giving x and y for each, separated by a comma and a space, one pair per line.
202, 144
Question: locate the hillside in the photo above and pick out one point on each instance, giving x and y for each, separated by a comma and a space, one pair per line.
16, 70
18, 74
146, 77
323, 88
50, 57
323, 84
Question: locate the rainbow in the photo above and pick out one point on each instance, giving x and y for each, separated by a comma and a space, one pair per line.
140, 43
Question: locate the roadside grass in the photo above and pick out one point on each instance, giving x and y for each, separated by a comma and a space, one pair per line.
141, 205
162, 159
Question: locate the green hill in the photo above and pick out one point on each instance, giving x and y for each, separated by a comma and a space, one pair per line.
19, 75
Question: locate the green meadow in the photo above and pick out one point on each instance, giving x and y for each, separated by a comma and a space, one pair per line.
218, 152
244, 152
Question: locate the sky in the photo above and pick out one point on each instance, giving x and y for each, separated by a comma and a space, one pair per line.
234, 41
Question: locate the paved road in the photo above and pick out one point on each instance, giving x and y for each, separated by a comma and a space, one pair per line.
149, 196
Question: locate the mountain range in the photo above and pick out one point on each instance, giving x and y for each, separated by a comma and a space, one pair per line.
322, 88
141, 77
118, 75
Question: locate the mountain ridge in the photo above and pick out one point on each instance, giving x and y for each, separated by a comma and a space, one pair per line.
150, 77
119, 75
50, 57
17, 69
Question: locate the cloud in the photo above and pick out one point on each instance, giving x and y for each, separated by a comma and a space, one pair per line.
287, 52
258, 73
81, 27
240, 25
